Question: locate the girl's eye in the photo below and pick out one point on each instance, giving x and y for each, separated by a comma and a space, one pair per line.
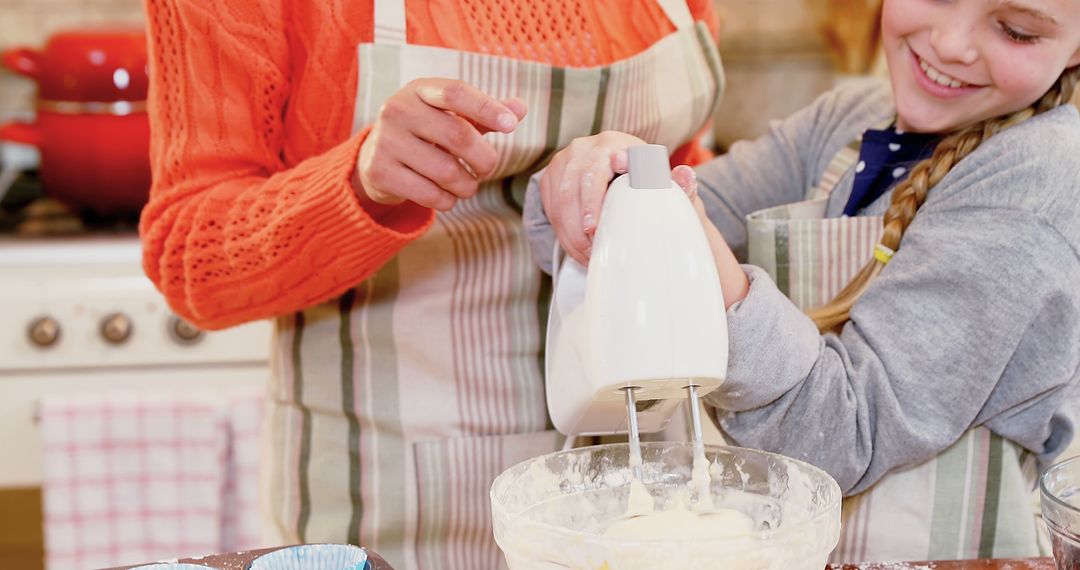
1018, 36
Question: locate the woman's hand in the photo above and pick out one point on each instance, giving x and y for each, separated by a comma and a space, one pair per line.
426, 144
572, 187
572, 190
733, 281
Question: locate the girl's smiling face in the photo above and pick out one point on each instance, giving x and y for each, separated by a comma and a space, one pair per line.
956, 62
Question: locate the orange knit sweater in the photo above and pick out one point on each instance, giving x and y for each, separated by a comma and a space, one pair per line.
252, 213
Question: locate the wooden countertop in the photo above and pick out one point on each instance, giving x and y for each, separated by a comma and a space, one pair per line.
240, 560
996, 564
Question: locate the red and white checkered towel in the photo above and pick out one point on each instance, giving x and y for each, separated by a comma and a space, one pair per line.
134, 477
241, 526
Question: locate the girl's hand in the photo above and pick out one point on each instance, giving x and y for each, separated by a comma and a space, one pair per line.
426, 144
733, 279
686, 178
573, 186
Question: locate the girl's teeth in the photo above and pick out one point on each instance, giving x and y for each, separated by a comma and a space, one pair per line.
939, 77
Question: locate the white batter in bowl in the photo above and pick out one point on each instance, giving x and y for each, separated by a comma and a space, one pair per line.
554, 511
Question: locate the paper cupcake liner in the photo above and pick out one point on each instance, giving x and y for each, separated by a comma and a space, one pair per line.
313, 557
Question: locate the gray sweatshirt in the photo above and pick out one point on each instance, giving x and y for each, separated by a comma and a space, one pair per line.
975, 321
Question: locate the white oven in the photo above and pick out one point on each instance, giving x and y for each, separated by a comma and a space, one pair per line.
77, 315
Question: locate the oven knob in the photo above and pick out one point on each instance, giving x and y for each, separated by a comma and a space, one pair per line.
183, 331
44, 331
116, 328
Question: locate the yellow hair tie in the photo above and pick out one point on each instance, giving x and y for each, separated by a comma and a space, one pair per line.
883, 254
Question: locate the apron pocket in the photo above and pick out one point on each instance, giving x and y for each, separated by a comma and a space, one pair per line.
454, 478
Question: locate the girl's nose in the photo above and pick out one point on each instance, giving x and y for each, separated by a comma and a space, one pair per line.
954, 42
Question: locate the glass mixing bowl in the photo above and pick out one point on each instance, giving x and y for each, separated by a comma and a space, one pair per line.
1059, 488
551, 511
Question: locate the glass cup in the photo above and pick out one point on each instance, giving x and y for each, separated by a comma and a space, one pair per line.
1059, 488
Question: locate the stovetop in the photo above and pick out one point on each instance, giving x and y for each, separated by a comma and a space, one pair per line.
26, 212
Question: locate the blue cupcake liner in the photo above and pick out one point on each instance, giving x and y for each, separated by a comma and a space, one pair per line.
313, 557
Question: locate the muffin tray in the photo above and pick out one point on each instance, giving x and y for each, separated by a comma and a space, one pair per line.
299, 557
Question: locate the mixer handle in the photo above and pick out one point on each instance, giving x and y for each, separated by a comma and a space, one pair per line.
557, 256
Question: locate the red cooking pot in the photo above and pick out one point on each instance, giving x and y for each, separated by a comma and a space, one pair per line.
91, 126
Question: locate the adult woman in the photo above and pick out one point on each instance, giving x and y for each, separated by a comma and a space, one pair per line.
298, 149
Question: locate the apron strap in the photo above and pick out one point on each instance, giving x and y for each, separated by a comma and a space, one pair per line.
678, 12
841, 162
390, 22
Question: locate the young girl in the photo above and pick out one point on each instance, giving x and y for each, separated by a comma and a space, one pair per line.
935, 380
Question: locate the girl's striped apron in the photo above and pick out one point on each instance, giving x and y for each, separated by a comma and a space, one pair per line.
974, 500
394, 406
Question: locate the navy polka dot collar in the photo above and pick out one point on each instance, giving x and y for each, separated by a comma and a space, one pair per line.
885, 157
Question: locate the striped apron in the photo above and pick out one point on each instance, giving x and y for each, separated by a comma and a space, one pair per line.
974, 500
394, 407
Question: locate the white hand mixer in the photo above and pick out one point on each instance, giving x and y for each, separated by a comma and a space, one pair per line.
645, 325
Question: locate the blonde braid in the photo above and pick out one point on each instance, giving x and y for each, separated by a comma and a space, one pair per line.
910, 194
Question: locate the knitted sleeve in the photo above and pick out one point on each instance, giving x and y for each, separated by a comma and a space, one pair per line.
232, 233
